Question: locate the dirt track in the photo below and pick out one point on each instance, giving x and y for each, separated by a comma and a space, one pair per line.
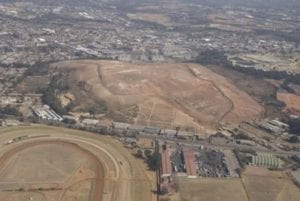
99, 174
230, 109
77, 163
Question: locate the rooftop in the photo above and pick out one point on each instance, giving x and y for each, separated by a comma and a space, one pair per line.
166, 163
189, 160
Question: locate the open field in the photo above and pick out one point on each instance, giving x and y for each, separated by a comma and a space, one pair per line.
292, 102
264, 185
270, 62
164, 95
204, 189
53, 164
151, 17
256, 184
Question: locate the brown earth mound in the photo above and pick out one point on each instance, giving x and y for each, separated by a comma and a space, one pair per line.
164, 95
292, 102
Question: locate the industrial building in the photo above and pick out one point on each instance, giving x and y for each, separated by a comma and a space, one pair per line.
178, 162
151, 130
279, 124
89, 121
120, 125
169, 132
46, 113
166, 168
266, 160
190, 163
274, 126
185, 135
136, 128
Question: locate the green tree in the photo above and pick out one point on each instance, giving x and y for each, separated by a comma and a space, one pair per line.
9, 110
139, 154
154, 161
147, 153
294, 139
294, 126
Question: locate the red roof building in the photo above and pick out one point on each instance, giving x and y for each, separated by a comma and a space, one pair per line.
190, 166
166, 168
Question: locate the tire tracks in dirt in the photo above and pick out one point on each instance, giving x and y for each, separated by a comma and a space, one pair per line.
230, 109
99, 172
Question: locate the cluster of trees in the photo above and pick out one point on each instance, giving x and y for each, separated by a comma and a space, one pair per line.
242, 136
152, 159
38, 69
57, 85
296, 158
294, 126
293, 36
50, 99
293, 139
212, 57
14, 65
243, 157
69, 121
216, 57
277, 75
285, 86
9, 110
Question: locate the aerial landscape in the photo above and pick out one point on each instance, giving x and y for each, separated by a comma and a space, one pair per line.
153, 100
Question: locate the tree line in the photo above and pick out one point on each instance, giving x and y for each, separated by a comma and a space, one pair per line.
216, 57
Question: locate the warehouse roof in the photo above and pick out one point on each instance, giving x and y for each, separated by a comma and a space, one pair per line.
189, 160
166, 163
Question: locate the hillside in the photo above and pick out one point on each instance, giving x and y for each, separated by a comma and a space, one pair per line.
164, 95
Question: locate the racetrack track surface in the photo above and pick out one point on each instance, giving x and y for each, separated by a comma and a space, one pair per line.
69, 165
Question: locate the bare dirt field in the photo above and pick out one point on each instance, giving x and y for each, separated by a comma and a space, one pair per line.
164, 95
66, 99
256, 184
204, 189
58, 167
55, 164
292, 102
264, 185
151, 17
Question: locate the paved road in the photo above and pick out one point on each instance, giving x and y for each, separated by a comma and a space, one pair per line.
197, 144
